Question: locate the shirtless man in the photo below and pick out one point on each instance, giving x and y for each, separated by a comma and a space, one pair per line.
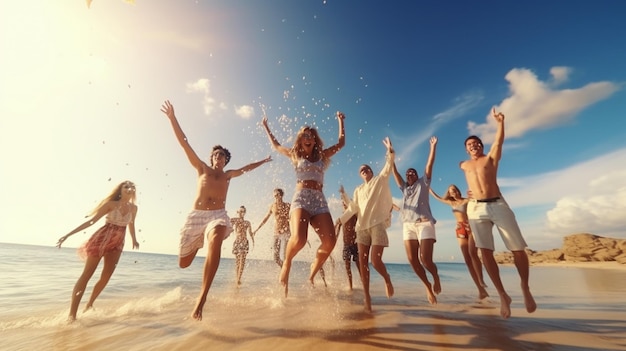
280, 210
487, 207
209, 214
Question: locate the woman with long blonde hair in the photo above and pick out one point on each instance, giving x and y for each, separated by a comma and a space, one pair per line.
308, 205
464, 236
107, 242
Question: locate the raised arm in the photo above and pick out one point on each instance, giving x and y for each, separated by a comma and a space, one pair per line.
496, 148
434, 194
344, 196
341, 140
101, 212
275, 144
247, 168
396, 174
390, 162
428, 171
168, 109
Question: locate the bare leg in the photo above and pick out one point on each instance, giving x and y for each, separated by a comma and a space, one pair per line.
241, 263
379, 266
284, 242
277, 242
469, 262
211, 263
365, 275
110, 263
521, 263
426, 255
412, 252
299, 224
323, 275
81, 284
323, 225
476, 262
494, 273
185, 261
348, 265
237, 264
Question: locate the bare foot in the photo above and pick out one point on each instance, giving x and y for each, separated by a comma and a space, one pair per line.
71, 319
389, 287
482, 293
437, 286
197, 313
432, 299
505, 306
87, 308
529, 301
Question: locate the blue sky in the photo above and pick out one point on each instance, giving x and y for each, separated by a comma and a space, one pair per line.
81, 89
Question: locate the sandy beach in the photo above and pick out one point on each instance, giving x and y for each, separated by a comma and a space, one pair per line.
392, 326
596, 265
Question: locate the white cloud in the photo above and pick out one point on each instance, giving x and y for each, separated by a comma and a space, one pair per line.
461, 106
203, 86
559, 74
589, 196
245, 111
601, 206
534, 104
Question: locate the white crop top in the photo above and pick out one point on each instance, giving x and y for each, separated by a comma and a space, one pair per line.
116, 217
307, 170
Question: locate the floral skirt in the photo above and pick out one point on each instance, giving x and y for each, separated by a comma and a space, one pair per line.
109, 238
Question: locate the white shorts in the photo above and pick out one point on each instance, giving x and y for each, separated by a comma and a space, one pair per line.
418, 231
198, 224
483, 215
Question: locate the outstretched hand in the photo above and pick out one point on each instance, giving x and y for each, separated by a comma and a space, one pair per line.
340, 115
498, 116
61, 240
433, 140
168, 109
387, 143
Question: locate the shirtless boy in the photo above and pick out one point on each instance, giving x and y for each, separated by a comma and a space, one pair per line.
208, 216
487, 207
280, 210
